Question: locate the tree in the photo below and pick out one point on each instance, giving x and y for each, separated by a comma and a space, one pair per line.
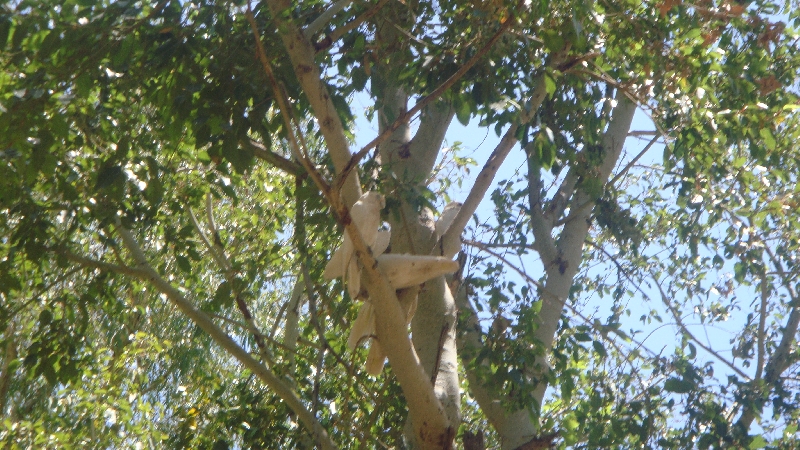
176, 177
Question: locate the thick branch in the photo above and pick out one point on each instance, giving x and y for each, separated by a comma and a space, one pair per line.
469, 344
542, 230
428, 417
561, 198
434, 95
301, 53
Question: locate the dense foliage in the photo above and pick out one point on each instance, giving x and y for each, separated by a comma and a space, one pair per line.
174, 178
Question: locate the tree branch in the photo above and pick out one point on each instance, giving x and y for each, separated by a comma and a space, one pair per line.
218, 253
435, 94
324, 18
782, 356
635, 158
762, 323
275, 159
542, 231
337, 34
560, 200
301, 53
145, 271
489, 170
685, 330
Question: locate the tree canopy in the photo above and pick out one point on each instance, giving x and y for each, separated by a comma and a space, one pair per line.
176, 175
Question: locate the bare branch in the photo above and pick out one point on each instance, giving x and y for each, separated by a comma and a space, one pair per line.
275, 159
685, 330
633, 161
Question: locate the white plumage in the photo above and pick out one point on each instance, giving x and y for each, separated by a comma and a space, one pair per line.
403, 270
400, 270
449, 214
366, 216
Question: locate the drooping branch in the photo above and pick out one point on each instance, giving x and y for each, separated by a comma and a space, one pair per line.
144, 271
679, 321
275, 159
217, 252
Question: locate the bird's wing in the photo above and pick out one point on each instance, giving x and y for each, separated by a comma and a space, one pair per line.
375, 358
403, 270
363, 326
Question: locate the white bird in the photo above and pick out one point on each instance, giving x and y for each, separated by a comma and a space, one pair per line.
449, 214
366, 216
404, 270
401, 271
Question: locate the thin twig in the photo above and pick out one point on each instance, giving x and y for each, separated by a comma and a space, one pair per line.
685, 330
762, 323
337, 34
633, 161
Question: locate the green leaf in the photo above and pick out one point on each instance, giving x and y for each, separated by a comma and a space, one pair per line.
463, 112
757, 442
360, 78
109, 175
599, 348
550, 84
769, 139
582, 337
678, 385
183, 263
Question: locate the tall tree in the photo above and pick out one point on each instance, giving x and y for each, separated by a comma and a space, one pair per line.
177, 177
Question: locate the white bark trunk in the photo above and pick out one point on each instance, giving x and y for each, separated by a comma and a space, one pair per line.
562, 260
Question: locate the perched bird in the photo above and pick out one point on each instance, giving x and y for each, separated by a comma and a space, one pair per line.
404, 270
401, 271
449, 214
366, 216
